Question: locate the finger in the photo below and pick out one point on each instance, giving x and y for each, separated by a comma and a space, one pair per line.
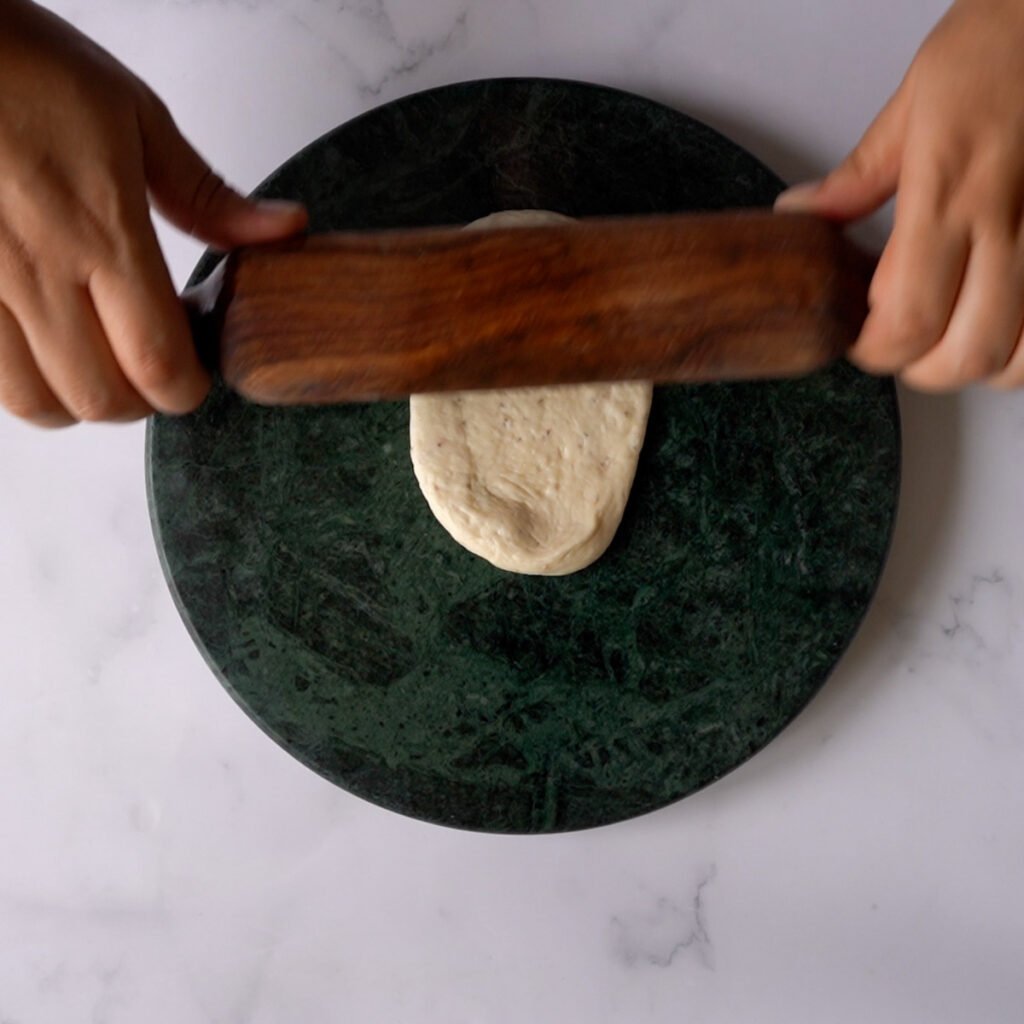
69, 348
865, 179
985, 324
194, 199
23, 392
914, 289
1012, 375
146, 326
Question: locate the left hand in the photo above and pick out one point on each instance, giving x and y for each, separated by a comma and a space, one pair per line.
947, 299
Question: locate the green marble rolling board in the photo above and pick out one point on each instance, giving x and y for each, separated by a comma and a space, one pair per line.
358, 635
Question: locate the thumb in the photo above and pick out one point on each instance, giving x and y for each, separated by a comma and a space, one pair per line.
186, 191
865, 179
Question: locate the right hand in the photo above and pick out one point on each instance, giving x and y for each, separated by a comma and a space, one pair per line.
90, 325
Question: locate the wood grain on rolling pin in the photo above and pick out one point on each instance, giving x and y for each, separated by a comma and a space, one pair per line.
357, 316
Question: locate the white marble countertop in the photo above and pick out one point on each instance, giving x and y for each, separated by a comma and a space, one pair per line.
162, 861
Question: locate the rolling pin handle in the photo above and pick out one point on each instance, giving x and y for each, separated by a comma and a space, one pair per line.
205, 305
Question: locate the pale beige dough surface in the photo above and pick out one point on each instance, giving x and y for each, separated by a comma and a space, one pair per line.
535, 480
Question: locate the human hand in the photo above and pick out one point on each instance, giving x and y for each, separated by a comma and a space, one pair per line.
947, 299
90, 325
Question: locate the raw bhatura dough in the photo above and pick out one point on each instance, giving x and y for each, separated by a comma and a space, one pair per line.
535, 480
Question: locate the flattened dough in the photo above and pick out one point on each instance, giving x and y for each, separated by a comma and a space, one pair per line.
535, 480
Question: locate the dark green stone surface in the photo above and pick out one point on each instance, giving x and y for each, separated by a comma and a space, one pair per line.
359, 635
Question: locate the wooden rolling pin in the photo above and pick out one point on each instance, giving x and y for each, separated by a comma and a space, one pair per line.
371, 315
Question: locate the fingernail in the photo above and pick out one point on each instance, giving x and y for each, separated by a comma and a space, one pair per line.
798, 197
281, 207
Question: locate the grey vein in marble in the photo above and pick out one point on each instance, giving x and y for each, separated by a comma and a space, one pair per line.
656, 936
410, 55
990, 593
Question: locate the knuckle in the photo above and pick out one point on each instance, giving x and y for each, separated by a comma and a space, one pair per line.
993, 158
34, 405
24, 406
932, 378
95, 233
1007, 381
863, 163
871, 361
34, 409
979, 364
912, 329
947, 371
155, 370
939, 179
209, 190
96, 405
112, 203
107, 216
986, 196
17, 263
896, 340
85, 233
53, 419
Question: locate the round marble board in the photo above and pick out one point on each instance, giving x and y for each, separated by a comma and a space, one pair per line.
349, 625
